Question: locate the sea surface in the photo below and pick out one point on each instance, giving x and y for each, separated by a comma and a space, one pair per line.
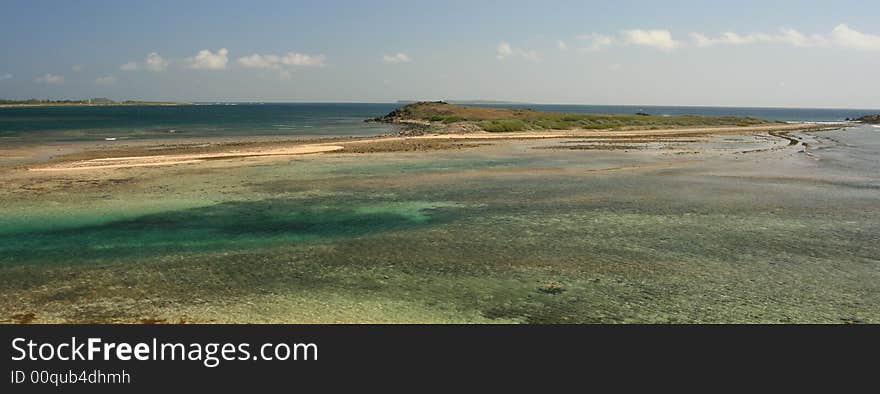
726, 229
95, 123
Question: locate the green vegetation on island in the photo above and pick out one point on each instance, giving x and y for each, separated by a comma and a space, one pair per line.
508, 119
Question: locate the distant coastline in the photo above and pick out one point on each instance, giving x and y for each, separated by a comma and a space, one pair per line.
94, 102
469, 102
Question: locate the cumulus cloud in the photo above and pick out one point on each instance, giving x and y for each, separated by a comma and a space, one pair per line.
504, 50
596, 41
106, 80
841, 36
784, 36
260, 61
728, 38
300, 59
5, 76
280, 63
660, 39
207, 60
400, 57
846, 37
154, 62
794, 37
275, 61
50, 79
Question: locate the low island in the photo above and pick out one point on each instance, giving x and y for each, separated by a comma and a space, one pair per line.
439, 116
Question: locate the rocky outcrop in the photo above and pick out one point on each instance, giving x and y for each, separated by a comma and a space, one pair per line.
870, 119
403, 114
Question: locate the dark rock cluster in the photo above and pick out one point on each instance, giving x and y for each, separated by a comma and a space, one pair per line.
870, 119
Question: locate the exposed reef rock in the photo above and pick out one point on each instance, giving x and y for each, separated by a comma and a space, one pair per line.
869, 119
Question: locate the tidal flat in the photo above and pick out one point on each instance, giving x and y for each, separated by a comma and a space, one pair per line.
750, 228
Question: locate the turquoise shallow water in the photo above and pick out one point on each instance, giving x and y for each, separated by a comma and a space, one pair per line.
462, 236
235, 224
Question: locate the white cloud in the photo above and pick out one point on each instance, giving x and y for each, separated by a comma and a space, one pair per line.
504, 50
156, 63
660, 39
275, 61
278, 63
841, 36
51, 79
260, 61
784, 36
5, 76
846, 37
106, 80
596, 41
153, 62
701, 40
207, 60
794, 37
729, 38
300, 59
562, 45
400, 57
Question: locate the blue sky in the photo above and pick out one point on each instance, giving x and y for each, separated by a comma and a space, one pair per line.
744, 53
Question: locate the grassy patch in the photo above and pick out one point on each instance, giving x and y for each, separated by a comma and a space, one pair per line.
502, 125
506, 120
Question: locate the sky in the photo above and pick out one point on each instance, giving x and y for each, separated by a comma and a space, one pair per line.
731, 53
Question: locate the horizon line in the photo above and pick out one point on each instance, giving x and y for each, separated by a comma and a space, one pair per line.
474, 102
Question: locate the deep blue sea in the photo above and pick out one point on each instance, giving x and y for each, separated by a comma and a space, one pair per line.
82, 123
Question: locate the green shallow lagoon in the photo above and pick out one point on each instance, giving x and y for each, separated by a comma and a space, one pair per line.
502, 233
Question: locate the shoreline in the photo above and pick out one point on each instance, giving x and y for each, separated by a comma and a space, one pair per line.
182, 153
30, 105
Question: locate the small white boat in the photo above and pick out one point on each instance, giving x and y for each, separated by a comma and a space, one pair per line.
110, 139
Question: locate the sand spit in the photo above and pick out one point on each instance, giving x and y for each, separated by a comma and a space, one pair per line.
434, 141
164, 160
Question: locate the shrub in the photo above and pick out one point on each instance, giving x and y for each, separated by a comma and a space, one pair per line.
502, 125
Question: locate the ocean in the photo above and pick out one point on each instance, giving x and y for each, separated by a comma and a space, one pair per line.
82, 123
729, 229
